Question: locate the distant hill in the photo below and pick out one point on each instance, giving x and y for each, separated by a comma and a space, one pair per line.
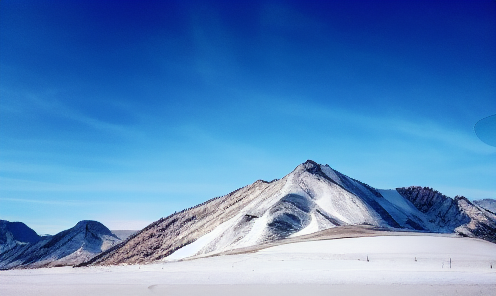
69, 247
16, 233
488, 204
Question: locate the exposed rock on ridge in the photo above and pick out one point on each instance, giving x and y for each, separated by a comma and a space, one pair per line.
457, 215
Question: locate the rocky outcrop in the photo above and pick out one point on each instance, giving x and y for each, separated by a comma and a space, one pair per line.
457, 215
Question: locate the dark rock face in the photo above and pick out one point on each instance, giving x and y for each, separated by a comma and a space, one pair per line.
442, 211
452, 215
291, 214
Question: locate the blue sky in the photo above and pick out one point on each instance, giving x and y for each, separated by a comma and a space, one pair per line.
126, 111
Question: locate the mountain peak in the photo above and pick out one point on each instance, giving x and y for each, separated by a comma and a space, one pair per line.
310, 166
93, 226
310, 163
19, 232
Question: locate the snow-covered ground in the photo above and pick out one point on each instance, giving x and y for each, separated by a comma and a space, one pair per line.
397, 265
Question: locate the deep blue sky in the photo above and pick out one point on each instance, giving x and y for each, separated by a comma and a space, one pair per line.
126, 111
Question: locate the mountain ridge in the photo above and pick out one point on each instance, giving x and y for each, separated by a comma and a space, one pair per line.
311, 198
307, 203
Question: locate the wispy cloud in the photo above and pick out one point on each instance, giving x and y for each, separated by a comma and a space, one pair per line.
20, 101
416, 129
48, 202
116, 185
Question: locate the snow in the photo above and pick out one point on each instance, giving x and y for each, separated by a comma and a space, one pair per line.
306, 268
256, 231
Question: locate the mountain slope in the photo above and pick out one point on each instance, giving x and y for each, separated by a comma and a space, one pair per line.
311, 198
68, 247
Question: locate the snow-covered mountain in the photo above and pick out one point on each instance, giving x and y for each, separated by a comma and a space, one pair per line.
311, 198
16, 233
69, 247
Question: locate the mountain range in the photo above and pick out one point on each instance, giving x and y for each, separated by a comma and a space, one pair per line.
311, 200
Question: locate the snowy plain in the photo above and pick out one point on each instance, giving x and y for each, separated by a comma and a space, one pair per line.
397, 265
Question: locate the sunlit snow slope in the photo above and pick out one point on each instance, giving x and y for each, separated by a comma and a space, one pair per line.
311, 198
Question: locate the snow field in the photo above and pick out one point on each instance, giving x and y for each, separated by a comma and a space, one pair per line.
317, 267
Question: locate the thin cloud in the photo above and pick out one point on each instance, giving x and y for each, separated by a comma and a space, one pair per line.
116, 185
48, 202
421, 128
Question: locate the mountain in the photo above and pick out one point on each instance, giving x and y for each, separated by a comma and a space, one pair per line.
69, 247
488, 204
16, 233
312, 198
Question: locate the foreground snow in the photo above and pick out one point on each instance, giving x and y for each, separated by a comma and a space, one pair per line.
398, 265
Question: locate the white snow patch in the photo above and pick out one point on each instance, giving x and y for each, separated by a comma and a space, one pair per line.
256, 231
